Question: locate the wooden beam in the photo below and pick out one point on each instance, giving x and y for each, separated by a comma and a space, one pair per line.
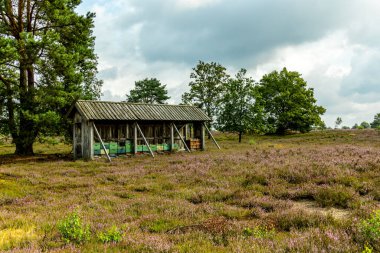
171, 137
101, 141
134, 138
88, 138
203, 142
212, 137
146, 142
180, 136
74, 141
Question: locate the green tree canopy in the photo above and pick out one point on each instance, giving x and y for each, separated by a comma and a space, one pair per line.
149, 91
237, 106
206, 86
47, 62
376, 121
365, 125
287, 103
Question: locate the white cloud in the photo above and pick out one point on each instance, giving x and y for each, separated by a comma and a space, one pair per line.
193, 4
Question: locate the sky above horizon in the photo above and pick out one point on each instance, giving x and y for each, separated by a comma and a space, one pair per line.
334, 44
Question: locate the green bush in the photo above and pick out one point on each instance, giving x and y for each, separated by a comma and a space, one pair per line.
114, 234
337, 196
370, 230
158, 226
73, 230
259, 232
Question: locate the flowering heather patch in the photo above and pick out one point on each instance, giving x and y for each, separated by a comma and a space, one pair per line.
313, 192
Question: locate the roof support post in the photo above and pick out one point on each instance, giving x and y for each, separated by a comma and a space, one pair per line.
203, 142
74, 142
101, 141
180, 136
171, 137
212, 137
146, 142
135, 138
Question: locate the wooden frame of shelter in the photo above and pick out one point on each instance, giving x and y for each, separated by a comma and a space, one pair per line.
121, 128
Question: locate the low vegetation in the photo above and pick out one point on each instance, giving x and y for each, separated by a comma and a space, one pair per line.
314, 192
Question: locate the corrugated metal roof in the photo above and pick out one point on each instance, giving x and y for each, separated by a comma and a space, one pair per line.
102, 110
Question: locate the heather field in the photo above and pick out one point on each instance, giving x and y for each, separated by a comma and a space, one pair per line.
315, 192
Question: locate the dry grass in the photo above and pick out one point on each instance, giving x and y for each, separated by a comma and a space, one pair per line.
308, 192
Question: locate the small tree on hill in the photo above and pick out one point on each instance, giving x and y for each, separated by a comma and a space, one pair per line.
287, 103
237, 107
365, 125
149, 91
338, 121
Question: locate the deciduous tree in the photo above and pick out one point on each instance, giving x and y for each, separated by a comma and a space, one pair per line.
338, 121
47, 62
206, 86
365, 125
238, 112
287, 103
376, 121
149, 91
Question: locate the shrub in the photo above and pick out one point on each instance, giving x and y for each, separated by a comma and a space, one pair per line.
113, 234
298, 219
259, 232
255, 179
370, 230
73, 230
337, 196
158, 226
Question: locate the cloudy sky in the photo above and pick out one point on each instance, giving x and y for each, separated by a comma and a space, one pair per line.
334, 44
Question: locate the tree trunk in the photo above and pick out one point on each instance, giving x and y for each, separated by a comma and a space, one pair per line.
240, 134
24, 147
27, 129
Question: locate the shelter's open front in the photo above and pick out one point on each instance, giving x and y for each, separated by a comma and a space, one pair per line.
120, 128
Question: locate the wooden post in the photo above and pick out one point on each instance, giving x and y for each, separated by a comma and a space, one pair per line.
146, 142
212, 137
101, 141
74, 141
87, 140
154, 135
171, 137
203, 144
135, 138
187, 136
180, 136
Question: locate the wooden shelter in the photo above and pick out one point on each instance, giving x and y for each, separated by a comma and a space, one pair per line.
120, 128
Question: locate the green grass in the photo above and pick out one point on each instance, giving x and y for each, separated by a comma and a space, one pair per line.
297, 193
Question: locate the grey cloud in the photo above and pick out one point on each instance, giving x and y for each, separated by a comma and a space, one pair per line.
363, 83
233, 31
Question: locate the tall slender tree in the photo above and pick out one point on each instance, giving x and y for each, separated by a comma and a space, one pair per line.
376, 121
206, 87
338, 122
47, 61
238, 112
